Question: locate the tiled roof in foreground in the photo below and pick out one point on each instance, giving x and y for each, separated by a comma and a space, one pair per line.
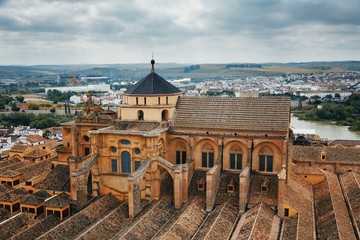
234, 114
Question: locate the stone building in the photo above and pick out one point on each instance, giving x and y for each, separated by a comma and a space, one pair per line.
158, 131
166, 166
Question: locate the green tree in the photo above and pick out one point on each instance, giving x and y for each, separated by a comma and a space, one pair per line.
20, 98
15, 108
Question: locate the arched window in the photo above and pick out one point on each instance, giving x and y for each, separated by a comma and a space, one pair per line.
180, 153
266, 160
125, 162
165, 115
235, 158
140, 115
207, 156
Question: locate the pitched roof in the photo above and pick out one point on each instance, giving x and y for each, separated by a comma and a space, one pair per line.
13, 195
36, 230
10, 173
233, 114
342, 142
19, 148
35, 198
332, 218
260, 222
152, 84
312, 153
58, 201
301, 224
58, 179
34, 138
37, 152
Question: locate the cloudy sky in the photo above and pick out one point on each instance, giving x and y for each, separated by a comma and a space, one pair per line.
182, 31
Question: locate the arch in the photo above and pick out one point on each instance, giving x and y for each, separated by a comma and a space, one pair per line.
140, 115
206, 151
235, 155
179, 151
267, 157
207, 156
165, 115
125, 162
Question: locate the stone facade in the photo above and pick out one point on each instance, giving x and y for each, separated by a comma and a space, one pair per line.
156, 130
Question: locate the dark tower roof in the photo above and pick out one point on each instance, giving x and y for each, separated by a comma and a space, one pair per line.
152, 84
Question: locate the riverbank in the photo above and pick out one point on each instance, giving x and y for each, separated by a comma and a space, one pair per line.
325, 129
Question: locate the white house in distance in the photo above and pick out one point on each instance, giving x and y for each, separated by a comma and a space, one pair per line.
26, 130
98, 88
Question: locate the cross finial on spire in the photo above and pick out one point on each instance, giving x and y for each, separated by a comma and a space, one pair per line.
152, 63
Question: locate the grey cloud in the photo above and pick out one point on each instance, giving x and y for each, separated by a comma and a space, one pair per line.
222, 28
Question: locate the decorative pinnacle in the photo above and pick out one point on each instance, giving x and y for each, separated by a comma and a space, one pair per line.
152, 64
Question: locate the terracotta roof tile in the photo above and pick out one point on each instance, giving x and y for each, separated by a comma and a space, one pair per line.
296, 187
332, 218
36, 230
37, 153
35, 198
233, 114
350, 182
58, 179
312, 153
346, 143
34, 138
10, 174
16, 224
13, 195
58, 201
260, 222
19, 148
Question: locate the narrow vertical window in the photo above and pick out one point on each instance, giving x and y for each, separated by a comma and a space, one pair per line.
125, 162
262, 163
144, 100
137, 165
114, 165
137, 101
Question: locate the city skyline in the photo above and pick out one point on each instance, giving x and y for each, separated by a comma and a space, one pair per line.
201, 31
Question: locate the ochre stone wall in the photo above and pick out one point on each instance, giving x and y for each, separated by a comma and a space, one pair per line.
312, 178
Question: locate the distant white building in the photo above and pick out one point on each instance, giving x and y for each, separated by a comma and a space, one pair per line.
98, 88
26, 130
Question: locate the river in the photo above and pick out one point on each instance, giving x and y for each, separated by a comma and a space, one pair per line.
325, 129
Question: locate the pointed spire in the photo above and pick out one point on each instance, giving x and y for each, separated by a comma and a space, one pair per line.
152, 64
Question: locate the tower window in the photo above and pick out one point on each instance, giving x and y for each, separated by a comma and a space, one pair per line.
144, 100
140, 115
137, 101
158, 100
167, 100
